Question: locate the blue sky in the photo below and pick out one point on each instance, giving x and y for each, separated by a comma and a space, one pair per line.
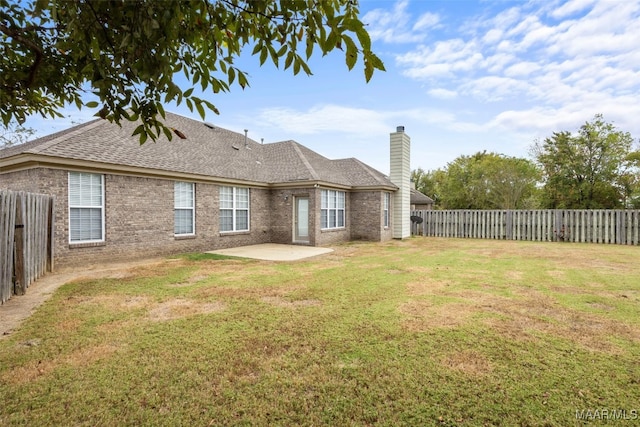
462, 77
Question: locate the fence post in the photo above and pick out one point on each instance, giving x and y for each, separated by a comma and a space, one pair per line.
19, 285
51, 227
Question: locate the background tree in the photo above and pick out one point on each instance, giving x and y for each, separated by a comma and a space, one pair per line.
14, 134
428, 182
127, 52
481, 181
591, 169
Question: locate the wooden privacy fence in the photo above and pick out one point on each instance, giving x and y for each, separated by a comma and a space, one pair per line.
26, 240
549, 225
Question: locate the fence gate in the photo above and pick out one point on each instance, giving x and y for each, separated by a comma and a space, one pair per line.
26, 240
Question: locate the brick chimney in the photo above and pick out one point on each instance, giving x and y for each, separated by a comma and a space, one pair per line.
401, 175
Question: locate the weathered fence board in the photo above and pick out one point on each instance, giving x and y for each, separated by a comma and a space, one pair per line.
620, 227
26, 240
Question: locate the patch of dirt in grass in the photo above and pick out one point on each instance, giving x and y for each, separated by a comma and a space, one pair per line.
68, 325
425, 315
136, 301
513, 275
178, 308
28, 373
427, 286
87, 356
281, 302
523, 319
600, 306
119, 302
326, 264
160, 269
419, 269
38, 368
556, 274
227, 271
468, 362
247, 291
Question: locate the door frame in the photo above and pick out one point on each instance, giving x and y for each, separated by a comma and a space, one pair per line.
296, 237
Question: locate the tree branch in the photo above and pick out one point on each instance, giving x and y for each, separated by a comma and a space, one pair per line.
34, 47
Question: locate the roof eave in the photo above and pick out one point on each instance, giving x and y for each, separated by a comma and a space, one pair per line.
32, 161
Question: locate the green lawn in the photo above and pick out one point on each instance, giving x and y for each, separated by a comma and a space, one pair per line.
425, 331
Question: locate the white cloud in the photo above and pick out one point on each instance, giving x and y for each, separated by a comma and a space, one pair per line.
571, 7
522, 69
444, 58
442, 93
394, 26
559, 63
426, 21
326, 118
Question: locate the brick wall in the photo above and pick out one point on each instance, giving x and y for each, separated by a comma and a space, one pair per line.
283, 210
367, 216
139, 217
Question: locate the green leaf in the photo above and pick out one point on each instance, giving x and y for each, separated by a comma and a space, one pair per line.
167, 132
375, 61
351, 55
309, 49
92, 104
289, 60
242, 80
263, 55
305, 67
200, 109
138, 130
368, 71
364, 38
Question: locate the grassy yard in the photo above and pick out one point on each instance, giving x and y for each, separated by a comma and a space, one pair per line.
419, 332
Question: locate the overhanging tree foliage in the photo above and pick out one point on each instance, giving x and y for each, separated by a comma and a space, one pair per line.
594, 168
127, 52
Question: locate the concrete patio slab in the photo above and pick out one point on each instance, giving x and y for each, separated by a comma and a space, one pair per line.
273, 252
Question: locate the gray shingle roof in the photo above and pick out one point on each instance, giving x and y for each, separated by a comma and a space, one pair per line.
418, 198
211, 152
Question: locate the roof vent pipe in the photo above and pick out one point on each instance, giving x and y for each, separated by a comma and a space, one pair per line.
246, 143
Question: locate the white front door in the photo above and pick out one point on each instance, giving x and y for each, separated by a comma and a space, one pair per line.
301, 226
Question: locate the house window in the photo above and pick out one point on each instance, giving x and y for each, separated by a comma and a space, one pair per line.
385, 209
332, 209
86, 207
184, 208
234, 209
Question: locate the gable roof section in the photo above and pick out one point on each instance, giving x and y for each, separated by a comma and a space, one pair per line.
419, 198
207, 153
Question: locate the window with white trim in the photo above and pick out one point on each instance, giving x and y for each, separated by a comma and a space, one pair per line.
385, 208
332, 208
234, 209
184, 208
86, 207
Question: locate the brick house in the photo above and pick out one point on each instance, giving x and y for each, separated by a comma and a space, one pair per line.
215, 189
